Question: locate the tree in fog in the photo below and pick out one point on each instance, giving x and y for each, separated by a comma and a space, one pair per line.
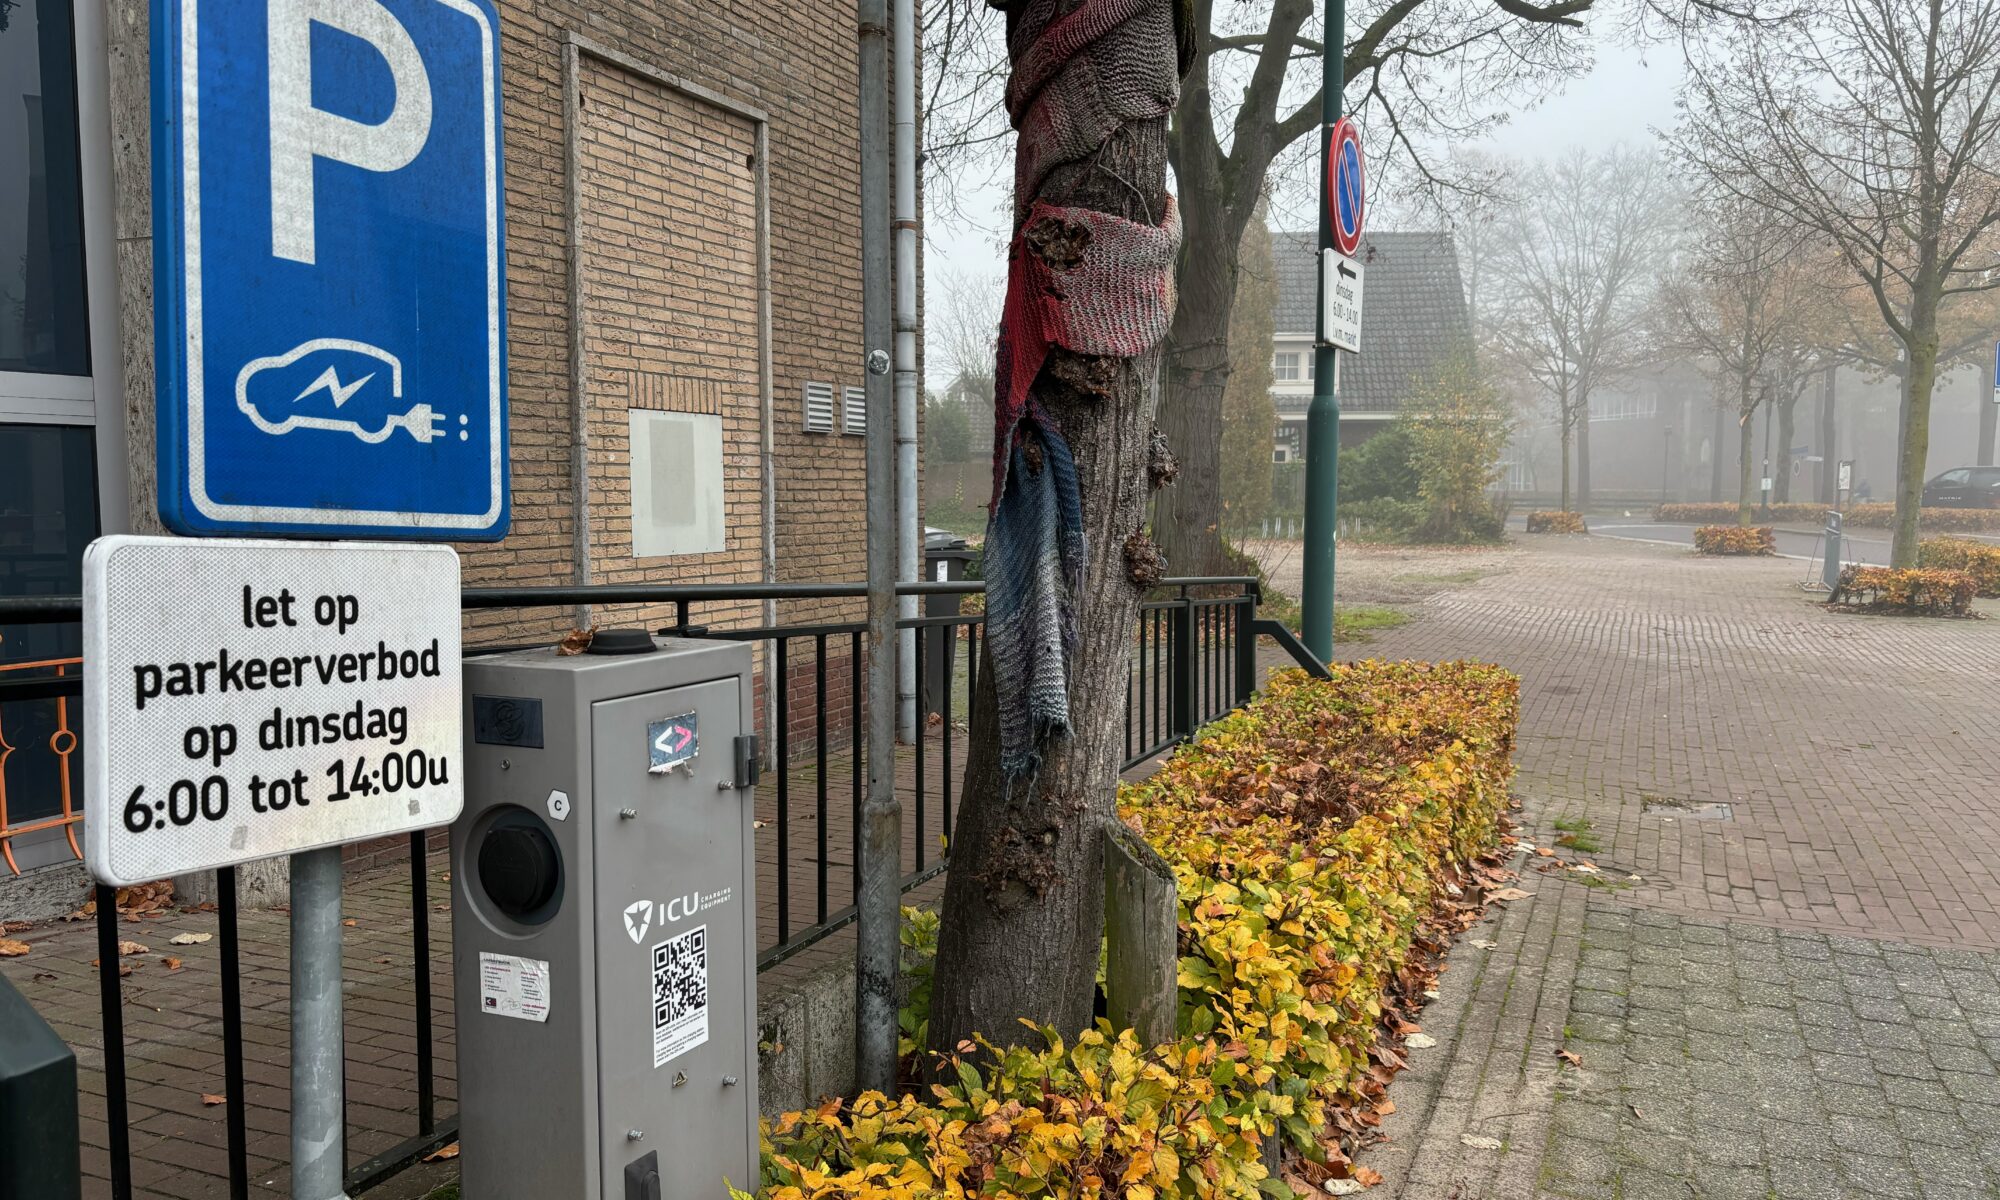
1876, 126
1746, 300
961, 332
1569, 289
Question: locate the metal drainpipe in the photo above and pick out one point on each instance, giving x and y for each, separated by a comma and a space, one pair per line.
908, 530
878, 896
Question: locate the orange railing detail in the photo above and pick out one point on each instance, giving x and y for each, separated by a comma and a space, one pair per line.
62, 743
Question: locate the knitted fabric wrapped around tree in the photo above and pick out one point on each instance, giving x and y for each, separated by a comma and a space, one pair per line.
1089, 283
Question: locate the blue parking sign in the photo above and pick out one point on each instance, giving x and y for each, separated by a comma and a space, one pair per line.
330, 324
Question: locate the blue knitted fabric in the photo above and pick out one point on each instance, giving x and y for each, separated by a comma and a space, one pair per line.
1033, 567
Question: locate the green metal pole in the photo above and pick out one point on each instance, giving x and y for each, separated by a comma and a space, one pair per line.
1323, 417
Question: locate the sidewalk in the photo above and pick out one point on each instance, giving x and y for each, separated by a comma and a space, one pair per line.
1799, 1000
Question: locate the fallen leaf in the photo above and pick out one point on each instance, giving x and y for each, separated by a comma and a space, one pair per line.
1421, 1041
1385, 1107
126, 949
189, 939
1636, 1114
1344, 1187
9, 948
171, 963
1430, 993
1366, 1176
1479, 1141
350, 922
1571, 1057
576, 641
211, 1099
1483, 944
383, 959
1506, 894
442, 1153
1545, 852
16, 926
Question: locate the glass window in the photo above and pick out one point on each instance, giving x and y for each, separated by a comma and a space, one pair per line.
48, 514
1953, 478
42, 318
1285, 367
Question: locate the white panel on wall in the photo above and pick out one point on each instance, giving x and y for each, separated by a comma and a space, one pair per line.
677, 501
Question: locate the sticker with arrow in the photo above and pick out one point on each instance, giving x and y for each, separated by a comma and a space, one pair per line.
671, 742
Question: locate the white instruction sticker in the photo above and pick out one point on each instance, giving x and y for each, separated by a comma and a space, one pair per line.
680, 995
514, 987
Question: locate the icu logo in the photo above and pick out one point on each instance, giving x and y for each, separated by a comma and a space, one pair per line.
639, 914
638, 919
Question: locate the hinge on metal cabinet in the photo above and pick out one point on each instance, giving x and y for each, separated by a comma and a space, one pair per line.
746, 761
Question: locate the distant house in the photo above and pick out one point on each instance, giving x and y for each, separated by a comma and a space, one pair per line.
1413, 317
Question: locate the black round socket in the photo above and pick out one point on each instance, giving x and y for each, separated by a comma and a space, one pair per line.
520, 869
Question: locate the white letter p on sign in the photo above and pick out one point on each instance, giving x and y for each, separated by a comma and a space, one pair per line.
300, 133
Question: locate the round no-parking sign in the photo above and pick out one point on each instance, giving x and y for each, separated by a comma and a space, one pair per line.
1346, 195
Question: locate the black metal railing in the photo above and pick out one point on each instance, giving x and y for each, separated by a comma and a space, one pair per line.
1194, 659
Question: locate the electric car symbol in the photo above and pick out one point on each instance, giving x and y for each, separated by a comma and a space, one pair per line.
278, 400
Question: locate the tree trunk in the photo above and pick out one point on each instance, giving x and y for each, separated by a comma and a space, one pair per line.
1023, 915
1583, 457
1715, 457
1187, 519
1915, 444
1781, 484
1566, 437
1746, 431
1829, 441
1989, 414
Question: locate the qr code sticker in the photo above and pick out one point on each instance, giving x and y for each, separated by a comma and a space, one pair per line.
680, 995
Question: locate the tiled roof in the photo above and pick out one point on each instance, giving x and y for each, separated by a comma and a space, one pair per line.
1413, 312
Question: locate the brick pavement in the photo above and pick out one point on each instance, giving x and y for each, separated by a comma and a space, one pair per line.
1800, 1001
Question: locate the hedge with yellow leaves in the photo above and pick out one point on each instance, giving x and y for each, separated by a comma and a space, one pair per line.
1556, 521
1981, 560
1309, 833
1735, 539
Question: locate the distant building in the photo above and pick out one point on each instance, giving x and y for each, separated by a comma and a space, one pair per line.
1413, 317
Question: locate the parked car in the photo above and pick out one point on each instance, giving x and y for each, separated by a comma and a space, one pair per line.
1964, 487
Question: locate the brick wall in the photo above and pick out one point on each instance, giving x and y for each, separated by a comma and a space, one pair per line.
668, 273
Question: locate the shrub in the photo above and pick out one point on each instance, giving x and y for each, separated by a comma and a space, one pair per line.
1735, 539
1556, 522
1915, 592
1309, 833
1858, 516
1981, 560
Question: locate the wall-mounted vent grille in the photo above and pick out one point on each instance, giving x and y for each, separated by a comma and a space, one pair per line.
854, 412
819, 408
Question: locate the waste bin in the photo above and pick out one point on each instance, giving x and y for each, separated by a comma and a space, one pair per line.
946, 557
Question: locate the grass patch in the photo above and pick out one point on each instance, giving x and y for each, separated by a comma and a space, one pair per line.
1574, 834
1356, 624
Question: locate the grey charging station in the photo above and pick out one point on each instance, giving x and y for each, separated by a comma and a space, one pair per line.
604, 922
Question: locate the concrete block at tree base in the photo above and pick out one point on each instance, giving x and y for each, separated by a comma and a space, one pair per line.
1141, 932
805, 1030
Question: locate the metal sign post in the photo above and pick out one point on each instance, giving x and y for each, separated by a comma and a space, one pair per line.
1342, 213
330, 354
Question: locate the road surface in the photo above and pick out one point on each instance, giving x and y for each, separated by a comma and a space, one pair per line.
1870, 546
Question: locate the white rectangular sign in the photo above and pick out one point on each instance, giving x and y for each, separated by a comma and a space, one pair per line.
1340, 301
246, 699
